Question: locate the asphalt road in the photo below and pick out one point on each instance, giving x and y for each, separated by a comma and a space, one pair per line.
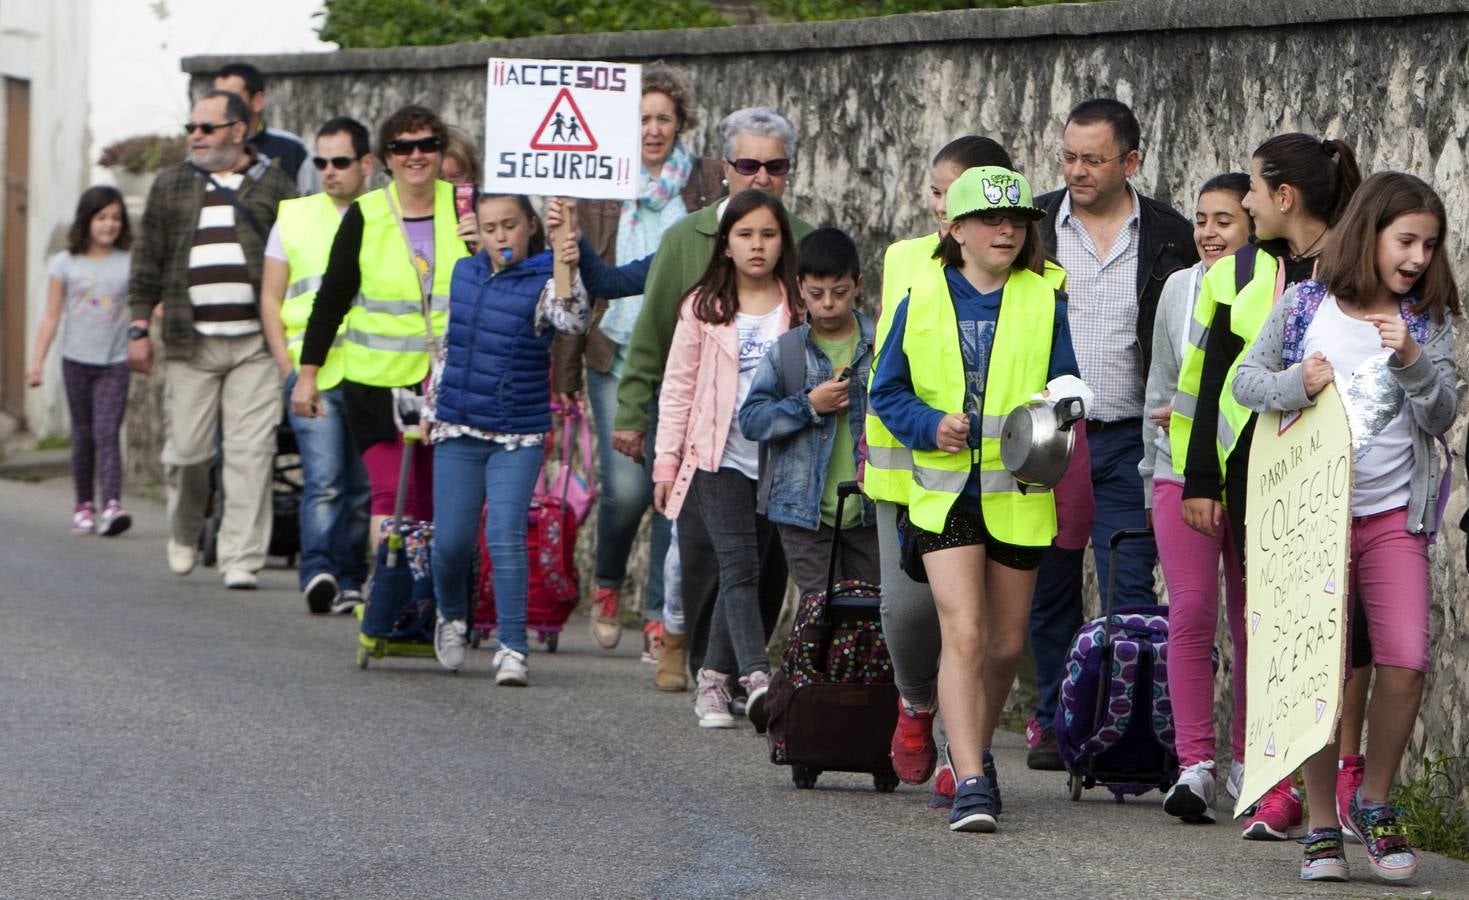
164, 737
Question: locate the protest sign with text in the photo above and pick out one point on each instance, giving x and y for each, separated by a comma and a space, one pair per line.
1299, 521
565, 128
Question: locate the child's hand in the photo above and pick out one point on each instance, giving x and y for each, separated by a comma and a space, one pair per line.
570, 252
952, 435
561, 209
469, 229
830, 396
661, 490
1316, 373
1163, 417
1396, 337
1203, 515
33, 377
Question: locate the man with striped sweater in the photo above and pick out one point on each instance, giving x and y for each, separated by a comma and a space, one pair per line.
200, 253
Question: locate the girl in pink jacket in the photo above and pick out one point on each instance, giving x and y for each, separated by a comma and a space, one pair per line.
704, 466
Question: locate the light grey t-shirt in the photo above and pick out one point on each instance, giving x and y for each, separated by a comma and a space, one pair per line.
95, 320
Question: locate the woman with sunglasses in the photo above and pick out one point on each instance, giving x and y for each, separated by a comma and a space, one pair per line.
388, 278
673, 183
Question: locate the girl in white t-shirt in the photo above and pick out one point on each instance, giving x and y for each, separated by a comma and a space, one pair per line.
1376, 322
88, 289
704, 466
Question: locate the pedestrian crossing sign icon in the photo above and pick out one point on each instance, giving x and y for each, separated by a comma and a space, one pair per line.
564, 127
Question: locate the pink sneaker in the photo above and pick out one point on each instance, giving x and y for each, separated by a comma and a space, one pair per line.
1276, 815
1349, 773
115, 520
84, 520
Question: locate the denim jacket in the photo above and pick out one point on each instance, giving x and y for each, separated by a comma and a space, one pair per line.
797, 439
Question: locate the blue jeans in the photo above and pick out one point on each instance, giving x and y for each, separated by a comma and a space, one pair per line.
626, 493
1055, 612
466, 470
334, 496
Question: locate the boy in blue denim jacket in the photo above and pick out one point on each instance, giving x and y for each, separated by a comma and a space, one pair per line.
806, 407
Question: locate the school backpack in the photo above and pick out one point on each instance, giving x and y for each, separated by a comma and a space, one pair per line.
400, 602
1114, 723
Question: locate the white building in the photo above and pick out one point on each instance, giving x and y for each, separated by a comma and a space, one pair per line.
44, 152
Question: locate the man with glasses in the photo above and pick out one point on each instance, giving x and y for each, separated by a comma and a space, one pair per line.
1117, 247
759, 147
335, 492
200, 251
283, 148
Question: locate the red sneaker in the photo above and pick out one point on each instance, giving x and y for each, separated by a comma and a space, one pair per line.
944, 785
1349, 773
913, 751
1276, 815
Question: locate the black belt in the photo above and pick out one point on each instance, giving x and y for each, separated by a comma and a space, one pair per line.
1093, 425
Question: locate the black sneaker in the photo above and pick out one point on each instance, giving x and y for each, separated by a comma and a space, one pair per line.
987, 766
974, 806
347, 601
1043, 755
320, 592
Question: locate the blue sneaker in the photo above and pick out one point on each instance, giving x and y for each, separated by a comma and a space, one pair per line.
987, 769
974, 806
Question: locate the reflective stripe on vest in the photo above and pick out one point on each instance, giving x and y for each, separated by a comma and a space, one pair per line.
888, 473
1247, 316
385, 339
307, 226
1019, 363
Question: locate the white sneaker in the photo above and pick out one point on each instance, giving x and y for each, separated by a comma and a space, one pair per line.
1236, 779
711, 700
180, 557
240, 579
1192, 797
449, 642
510, 668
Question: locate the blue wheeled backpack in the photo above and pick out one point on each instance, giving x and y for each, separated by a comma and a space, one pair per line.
1114, 722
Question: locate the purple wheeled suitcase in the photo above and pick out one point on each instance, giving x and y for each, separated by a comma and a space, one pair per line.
1114, 722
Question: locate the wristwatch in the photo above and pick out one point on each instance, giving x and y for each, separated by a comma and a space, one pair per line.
137, 332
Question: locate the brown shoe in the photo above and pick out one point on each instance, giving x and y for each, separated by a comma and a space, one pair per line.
672, 672
606, 621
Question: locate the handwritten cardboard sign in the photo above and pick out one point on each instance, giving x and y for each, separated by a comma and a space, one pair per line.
566, 128
1297, 532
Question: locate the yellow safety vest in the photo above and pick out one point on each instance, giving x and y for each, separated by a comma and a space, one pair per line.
385, 341
307, 226
1248, 311
888, 473
1019, 362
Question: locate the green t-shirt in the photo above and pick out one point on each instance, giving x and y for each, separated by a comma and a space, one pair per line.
843, 466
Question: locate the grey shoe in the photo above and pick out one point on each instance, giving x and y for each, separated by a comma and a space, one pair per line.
1192, 797
449, 642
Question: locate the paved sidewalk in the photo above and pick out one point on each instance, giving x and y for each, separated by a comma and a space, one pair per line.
164, 737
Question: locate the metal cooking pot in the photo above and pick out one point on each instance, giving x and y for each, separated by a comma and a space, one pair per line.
1036, 441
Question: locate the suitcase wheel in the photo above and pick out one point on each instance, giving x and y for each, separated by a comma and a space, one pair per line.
362, 656
552, 639
1073, 781
885, 783
804, 776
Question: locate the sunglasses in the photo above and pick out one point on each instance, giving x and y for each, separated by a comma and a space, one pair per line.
748, 167
405, 147
207, 127
336, 162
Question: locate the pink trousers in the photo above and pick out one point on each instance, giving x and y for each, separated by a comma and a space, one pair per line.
1389, 574
1191, 569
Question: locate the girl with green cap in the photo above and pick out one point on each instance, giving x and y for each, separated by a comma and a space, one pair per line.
974, 338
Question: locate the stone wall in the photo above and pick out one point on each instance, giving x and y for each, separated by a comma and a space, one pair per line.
873, 99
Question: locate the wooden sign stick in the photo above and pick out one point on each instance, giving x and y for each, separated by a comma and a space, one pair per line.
561, 271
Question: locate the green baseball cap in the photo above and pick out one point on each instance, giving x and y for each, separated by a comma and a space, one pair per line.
985, 189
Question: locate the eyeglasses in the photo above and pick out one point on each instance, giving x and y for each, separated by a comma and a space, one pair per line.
405, 147
207, 127
1091, 162
993, 220
336, 162
748, 167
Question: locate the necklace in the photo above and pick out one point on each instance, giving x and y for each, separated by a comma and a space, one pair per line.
1306, 253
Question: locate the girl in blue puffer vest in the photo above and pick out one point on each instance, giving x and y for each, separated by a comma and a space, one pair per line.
490, 412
